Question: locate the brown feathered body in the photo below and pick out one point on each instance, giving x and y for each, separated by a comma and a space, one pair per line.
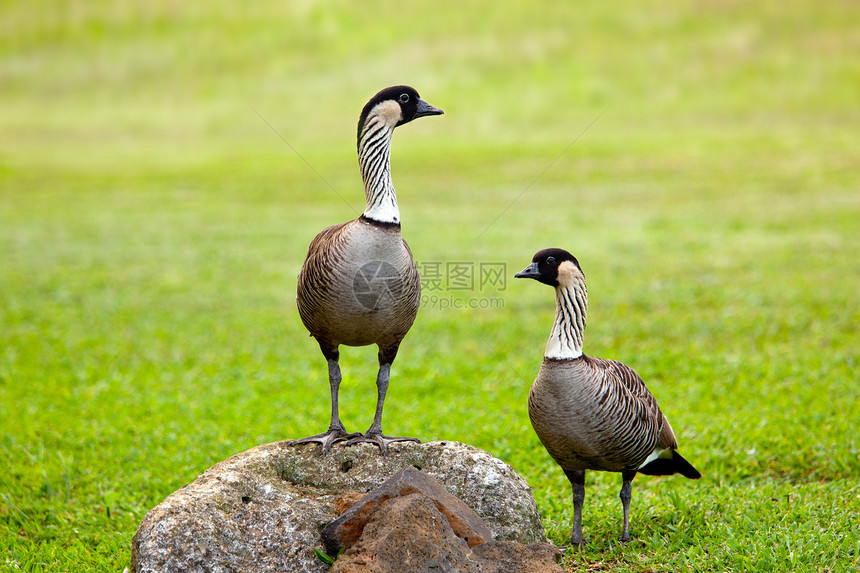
596, 414
359, 285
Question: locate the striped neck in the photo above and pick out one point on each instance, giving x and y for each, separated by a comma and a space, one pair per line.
565, 339
374, 159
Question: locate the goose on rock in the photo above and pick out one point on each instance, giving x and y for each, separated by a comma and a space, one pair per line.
359, 284
592, 413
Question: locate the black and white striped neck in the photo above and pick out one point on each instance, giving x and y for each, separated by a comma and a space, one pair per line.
568, 330
374, 160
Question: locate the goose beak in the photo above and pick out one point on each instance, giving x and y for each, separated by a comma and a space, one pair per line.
530, 272
425, 108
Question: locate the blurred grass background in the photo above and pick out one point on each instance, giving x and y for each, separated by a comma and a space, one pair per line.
163, 168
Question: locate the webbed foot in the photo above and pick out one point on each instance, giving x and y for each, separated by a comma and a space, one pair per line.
380, 440
327, 439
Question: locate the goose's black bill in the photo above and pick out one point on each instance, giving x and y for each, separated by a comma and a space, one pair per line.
530, 272
425, 108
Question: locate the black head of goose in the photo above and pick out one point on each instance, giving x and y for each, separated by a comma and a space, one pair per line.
359, 284
591, 413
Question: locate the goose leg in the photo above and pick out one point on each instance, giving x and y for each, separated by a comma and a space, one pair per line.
625, 495
336, 432
577, 482
374, 434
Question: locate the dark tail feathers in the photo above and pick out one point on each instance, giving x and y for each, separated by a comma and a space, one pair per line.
668, 466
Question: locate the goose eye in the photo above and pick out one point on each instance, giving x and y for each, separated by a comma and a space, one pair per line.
550, 260
404, 98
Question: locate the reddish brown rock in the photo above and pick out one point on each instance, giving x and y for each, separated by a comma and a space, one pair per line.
346, 501
409, 534
464, 522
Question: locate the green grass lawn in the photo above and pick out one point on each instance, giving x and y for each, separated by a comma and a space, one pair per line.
701, 161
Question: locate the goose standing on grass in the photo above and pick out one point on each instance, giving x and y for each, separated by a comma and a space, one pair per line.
359, 284
591, 413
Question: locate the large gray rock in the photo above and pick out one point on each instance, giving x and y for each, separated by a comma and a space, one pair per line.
263, 510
